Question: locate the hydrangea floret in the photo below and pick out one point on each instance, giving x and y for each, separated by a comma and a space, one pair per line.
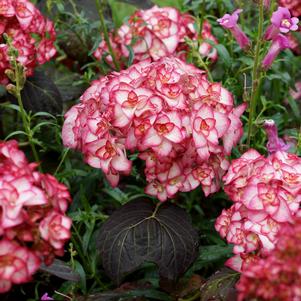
181, 124
33, 225
266, 193
32, 35
276, 276
155, 33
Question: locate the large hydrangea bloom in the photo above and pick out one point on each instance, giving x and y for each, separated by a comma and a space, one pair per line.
277, 276
33, 35
267, 194
33, 225
155, 33
182, 125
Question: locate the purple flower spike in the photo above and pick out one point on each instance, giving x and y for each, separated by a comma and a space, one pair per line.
274, 142
279, 43
282, 22
230, 22
45, 297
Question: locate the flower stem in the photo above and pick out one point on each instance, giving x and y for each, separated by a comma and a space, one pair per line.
106, 35
256, 73
26, 122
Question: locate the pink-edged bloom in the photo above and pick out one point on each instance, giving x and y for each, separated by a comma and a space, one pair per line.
267, 194
182, 126
282, 22
17, 264
55, 228
274, 142
279, 43
29, 201
280, 268
230, 22
32, 35
156, 33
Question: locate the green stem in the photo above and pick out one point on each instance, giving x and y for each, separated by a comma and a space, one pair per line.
106, 35
65, 153
255, 74
26, 123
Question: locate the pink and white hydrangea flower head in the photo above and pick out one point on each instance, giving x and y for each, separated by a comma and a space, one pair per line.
155, 33
33, 225
275, 276
266, 194
32, 35
181, 124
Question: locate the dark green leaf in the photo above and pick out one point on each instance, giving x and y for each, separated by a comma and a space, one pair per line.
137, 233
222, 52
220, 286
210, 254
40, 94
61, 269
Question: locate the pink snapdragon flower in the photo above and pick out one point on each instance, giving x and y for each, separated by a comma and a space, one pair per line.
33, 225
274, 142
282, 22
266, 194
230, 22
279, 43
182, 126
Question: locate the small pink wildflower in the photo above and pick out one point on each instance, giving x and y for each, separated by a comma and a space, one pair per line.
282, 22
279, 43
230, 22
274, 142
46, 297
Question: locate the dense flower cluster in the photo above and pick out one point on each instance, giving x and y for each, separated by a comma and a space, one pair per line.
33, 226
32, 35
293, 5
156, 33
267, 193
277, 276
181, 124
